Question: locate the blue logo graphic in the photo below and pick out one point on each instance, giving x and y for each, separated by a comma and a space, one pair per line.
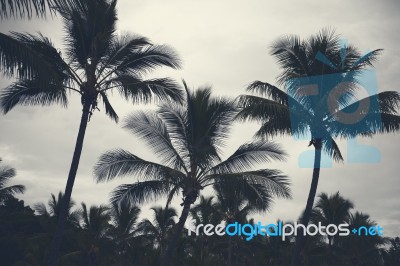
329, 101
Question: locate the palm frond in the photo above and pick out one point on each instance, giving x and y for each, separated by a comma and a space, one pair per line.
8, 192
176, 120
366, 60
151, 128
90, 27
32, 92
118, 163
29, 57
331, 148
208, 125
389, 102
108, 107
260, 109
40, 209
140, 192
121, 48
6, 173
24, 8
257, 187
267, 90
144, 91
148, 58
290, 54
247, 155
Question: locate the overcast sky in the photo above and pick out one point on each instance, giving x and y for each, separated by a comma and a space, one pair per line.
224, 44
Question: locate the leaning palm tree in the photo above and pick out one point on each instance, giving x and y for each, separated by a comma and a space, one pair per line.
324, 112
6, 173
188, 139
96, 62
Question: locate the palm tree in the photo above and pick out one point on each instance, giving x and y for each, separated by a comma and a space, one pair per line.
97, 61
204, 247
361, 249
293, 112
160, 227
95, 223
234, 204
54, 210
6, 173
124, 228
332, 209
188, 139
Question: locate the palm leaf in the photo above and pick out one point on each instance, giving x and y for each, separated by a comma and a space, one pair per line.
32, 92
152, 129
247, 155
108, 107
143, 91
24, 8
29, 56
118, 162
140, 192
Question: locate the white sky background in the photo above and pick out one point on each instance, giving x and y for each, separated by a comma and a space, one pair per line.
224, 44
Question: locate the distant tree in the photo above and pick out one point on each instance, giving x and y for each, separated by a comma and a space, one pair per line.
124, 229
54, 210
392, 254
159, 228
332, 209
6, 192
95, 224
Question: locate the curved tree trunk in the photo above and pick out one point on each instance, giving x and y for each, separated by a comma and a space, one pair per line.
178, 231
56, 244
300, 239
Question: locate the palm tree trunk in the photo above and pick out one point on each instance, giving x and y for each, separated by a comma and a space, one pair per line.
56, 244
300, 239
179, 227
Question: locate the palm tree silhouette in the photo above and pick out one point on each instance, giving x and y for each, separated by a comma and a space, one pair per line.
160, 227
362, 250
6, 192
97, 61
54, 210
124, 228
292, 112
95, 225
235, 204
188, 139
328, 210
